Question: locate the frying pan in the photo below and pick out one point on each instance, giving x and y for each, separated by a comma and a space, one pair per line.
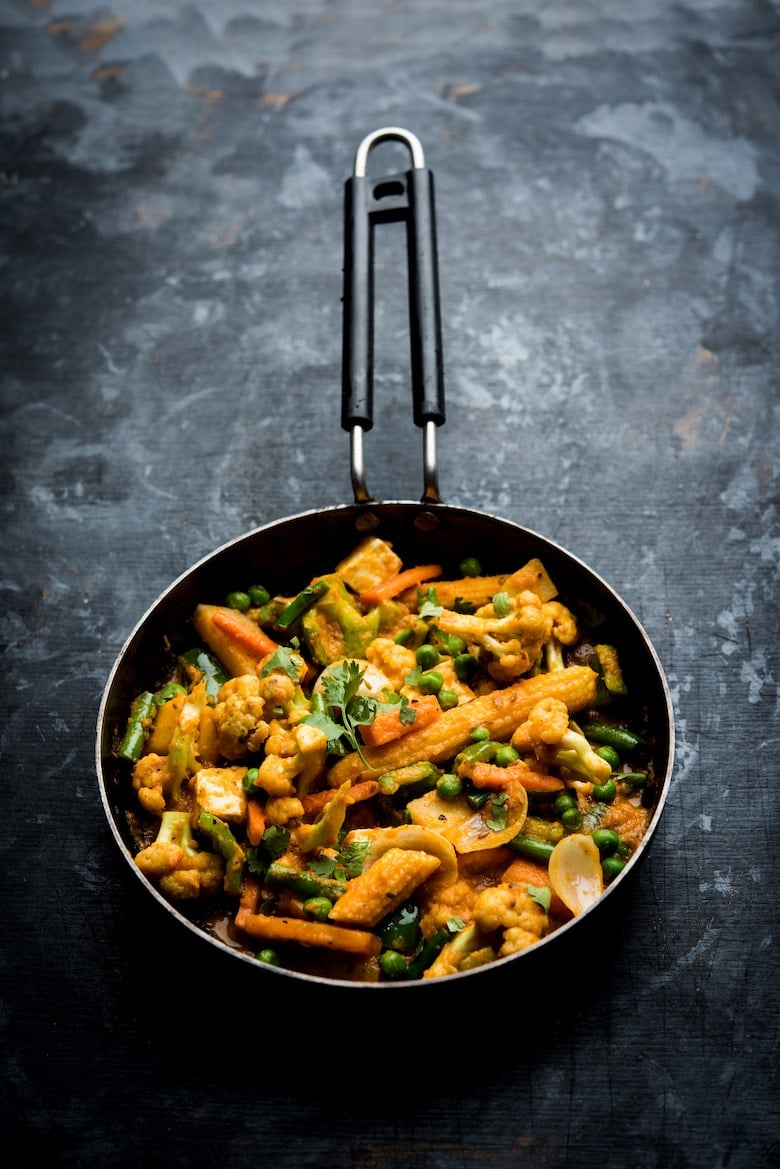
288, 551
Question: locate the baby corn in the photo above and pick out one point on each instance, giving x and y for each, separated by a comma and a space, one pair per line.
501, 711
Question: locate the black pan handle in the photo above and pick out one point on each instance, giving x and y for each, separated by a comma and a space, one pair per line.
405, 197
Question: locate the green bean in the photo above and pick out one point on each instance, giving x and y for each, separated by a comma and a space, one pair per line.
612, 736
540, 850
137, 726
300, 604
401, 931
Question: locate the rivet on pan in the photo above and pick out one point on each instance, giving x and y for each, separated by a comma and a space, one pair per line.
426, 521
367, 521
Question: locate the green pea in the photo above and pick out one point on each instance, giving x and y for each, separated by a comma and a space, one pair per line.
564, 801
605, 792
571, 818
430, 682
606, 840
447, 699
427, 656
270, 957
318, 907
610, 754
238, 600
455, 645
506, 755
471, 566
479, 734
465, 666
250, 779
611, 866
258, 595
449, 786
392, 964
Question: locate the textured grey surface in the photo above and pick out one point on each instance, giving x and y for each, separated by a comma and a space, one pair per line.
170, 206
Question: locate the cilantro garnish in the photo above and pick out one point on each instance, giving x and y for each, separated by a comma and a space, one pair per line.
541, 894
430, 607
285, 659
346, 709
498, 813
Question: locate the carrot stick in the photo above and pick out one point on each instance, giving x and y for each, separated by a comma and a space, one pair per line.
391, 586
243, 631
311, 933
255, 826
234, 638
387, 724
316, 801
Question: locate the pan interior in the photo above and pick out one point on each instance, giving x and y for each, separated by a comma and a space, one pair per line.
285, 555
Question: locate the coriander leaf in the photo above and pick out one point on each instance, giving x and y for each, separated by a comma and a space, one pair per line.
498, 813
353, 857
284, 659
323, 866
542, 895
430, 607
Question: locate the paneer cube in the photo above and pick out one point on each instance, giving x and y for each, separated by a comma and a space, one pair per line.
219, 790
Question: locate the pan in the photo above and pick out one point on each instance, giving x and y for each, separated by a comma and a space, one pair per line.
419, 531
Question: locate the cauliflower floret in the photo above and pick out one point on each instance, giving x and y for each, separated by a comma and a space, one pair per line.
563, 631
238, 716
556, 740
394, 661
152, 780
291, 753
219, 791
282, 809
175, 863
510, 908
514, 641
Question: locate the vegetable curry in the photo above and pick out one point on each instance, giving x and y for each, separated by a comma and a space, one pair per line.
391, 775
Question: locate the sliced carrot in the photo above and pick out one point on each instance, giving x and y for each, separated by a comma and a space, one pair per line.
391, 586
523, 871
535, 781
387, 724
255, 821
311, 933
236, 640
490, 775
316, 801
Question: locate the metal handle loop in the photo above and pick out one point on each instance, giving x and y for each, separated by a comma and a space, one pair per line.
407, 197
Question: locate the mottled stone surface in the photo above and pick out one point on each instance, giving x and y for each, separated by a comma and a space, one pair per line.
171, 184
